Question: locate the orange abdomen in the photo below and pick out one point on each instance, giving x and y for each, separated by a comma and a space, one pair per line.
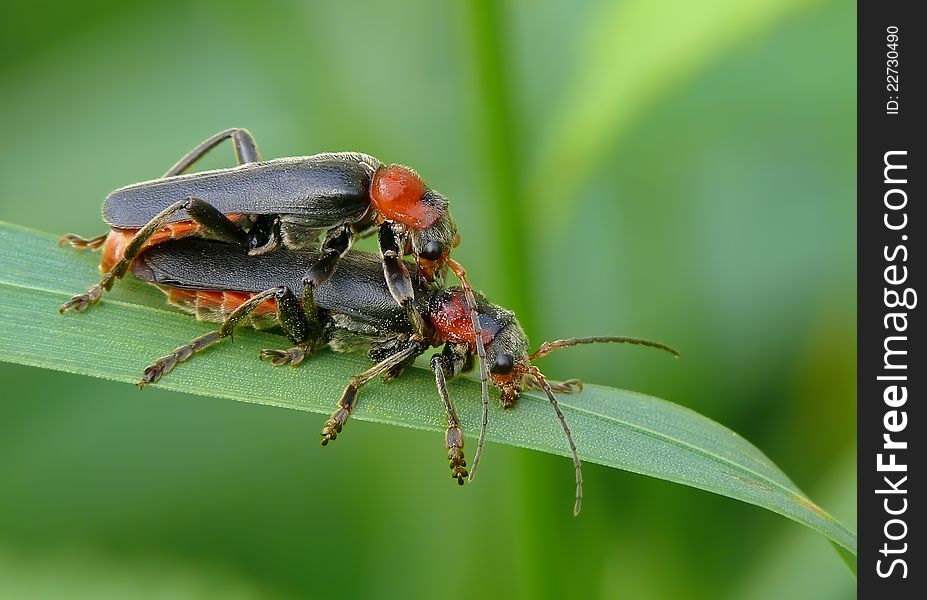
115, 245
118, 239
211, 305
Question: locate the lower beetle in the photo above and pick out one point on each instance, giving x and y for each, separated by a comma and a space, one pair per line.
352, 310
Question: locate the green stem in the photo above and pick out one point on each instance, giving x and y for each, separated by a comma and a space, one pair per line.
506, 210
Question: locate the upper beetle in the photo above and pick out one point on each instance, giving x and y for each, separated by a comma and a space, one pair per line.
285, 202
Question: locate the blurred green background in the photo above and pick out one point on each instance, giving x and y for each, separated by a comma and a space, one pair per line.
676, 170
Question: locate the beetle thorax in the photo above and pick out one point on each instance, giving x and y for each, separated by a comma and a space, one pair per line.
397, 192
452, 322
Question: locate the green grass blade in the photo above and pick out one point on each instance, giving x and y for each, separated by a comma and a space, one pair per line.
132, 326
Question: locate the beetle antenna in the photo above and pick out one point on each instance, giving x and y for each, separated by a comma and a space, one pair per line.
542, 382
481, 354
548, 347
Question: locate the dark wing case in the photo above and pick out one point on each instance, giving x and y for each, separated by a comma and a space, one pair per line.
325, 189
356, 289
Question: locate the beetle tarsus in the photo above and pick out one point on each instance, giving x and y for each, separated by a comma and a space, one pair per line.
290, 356
444, 365
153, 373
569, 386
81, 302
453, 441
166, 364
400, 358
82, 243
334, 425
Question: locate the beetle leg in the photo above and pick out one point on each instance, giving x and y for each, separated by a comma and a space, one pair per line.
290, 323
335, 423
394, 269
366, 233
480, 353
337, 243
82, 242
215, 224
166, 364
245, 150
302, 325
448, 364
398, 370
398, 279
364, 226
264, 236
569, 386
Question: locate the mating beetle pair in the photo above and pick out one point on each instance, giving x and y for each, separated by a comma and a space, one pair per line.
255, 268
289, 203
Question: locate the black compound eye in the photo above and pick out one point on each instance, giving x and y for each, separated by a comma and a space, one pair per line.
432, 250
503, 365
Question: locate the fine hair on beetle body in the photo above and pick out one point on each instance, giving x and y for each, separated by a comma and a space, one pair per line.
264, 206
354, 310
